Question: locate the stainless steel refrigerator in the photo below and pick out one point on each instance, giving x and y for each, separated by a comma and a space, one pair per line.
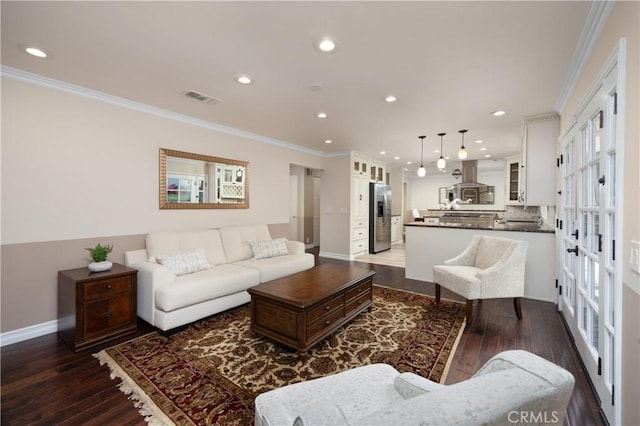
379, 217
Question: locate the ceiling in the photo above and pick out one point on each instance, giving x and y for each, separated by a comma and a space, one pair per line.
450, 64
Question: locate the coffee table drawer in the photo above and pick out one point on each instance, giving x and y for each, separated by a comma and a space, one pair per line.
359, 303
319, 326
358, 290
325, 308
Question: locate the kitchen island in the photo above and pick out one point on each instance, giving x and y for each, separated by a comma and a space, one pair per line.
428, 245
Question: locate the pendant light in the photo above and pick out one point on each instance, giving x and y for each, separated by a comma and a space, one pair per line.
422, 171
462, 152
441, 161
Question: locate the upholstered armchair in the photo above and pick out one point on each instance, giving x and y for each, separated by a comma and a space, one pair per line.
513, 387
489, 268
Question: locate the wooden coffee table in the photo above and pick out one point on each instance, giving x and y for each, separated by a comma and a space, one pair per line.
301, 309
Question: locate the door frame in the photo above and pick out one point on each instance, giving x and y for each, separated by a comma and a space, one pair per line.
616, 63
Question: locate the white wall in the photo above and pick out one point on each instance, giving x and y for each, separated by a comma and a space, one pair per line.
77, 171
73, 167
335, 205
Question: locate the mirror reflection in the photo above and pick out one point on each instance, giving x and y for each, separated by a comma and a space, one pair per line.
195, 181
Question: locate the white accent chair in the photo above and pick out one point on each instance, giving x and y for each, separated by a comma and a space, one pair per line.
513, 387
489, 268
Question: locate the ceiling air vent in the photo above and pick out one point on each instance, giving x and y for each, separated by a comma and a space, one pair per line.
201, 97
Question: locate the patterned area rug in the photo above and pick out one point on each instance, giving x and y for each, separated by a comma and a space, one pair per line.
211, 372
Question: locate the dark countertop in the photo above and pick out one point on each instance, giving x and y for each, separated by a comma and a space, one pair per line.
514, 227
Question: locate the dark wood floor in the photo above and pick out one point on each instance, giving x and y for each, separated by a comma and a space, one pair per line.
44, 382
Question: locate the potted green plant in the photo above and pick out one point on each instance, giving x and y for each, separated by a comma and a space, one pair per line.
99, 255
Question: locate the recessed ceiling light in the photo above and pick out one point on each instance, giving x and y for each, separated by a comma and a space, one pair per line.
244, 79
322, 115
325, 45
408, 162
483, 149
390, 99
396, 158
406, 170
487, 156
498, 113
383, 152
35, 51
436, 151
328, 141
447, 158
479, 141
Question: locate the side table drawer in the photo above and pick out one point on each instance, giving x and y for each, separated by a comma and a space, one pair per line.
107, 288
102, 315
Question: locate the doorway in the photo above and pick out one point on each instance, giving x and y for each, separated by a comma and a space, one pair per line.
590, 220
304, 205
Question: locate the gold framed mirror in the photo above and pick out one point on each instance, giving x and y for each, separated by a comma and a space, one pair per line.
196, 181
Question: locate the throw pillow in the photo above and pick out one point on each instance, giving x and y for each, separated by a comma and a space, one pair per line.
185, 263
268, 248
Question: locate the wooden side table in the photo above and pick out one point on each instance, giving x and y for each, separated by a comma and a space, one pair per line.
94, 307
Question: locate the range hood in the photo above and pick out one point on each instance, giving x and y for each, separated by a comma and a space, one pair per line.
470, 172
470, 190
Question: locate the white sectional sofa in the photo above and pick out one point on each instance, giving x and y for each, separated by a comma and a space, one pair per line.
170, 295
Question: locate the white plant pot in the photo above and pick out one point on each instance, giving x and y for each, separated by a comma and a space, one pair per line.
100, 266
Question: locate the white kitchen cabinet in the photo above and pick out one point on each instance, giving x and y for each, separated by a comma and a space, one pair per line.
513, 183
360, 214
538, 172
359, 236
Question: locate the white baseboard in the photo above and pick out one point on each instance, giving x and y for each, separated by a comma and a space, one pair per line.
336, 256
26, 333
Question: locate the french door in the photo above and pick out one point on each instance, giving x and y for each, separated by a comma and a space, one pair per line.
589, 277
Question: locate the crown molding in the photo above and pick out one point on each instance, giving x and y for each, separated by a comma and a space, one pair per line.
24, 76
541, 117
596, 20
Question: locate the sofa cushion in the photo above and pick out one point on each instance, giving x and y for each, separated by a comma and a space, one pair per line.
268, 248
280, 266
175, 242
185, 263
205, 285
462, 280
235, 240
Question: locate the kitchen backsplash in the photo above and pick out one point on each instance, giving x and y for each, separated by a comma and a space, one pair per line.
545, 213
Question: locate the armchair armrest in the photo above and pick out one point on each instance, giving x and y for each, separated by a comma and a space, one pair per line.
505, 278
151, 276
295, 247
409, 385
468, 256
